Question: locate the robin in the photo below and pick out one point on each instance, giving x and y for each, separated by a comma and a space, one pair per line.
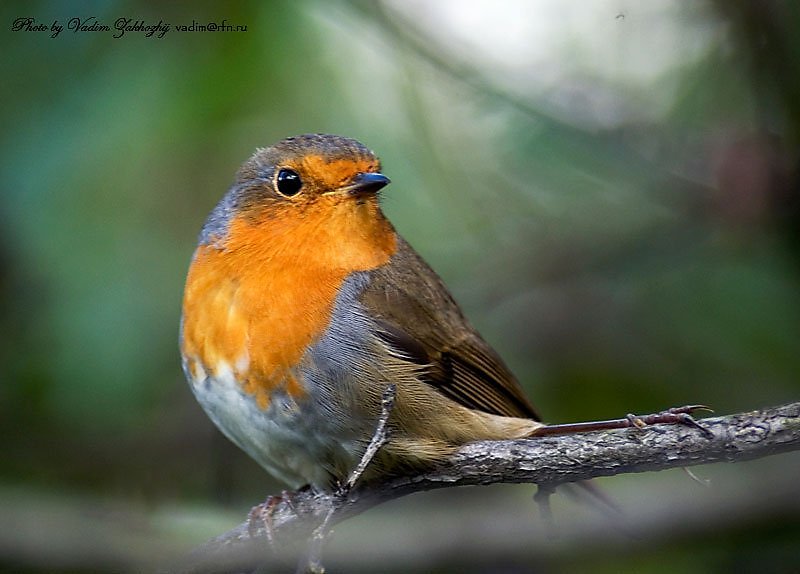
302, 304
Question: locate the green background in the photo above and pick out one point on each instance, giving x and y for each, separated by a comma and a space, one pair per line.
621, 224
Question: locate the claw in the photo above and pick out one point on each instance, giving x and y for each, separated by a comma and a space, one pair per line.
689, 420
635, 421
678, 415
262, 514
689, 409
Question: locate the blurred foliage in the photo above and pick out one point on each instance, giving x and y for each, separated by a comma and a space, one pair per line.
622, 257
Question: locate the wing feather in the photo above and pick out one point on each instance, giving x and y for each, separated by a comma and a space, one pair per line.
419, 319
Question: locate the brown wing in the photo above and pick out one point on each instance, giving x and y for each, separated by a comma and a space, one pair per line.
418, 316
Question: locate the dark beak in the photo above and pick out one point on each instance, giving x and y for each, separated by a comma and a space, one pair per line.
367, 183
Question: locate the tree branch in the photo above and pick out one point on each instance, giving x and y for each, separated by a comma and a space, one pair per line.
547, 460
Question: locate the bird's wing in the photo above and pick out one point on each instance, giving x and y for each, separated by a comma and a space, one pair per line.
418, 317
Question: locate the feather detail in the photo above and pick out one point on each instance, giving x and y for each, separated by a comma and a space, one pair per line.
419, 319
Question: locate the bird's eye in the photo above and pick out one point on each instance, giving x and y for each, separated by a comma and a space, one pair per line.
288, 182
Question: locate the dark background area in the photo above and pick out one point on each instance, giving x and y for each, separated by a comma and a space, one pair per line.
609, 188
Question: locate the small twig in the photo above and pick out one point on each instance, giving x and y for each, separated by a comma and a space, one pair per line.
702, 481
379, 438
542, 499
312, 563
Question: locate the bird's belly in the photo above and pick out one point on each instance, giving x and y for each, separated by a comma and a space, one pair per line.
289, 438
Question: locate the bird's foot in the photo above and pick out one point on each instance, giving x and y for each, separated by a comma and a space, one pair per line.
675, 415
262, 515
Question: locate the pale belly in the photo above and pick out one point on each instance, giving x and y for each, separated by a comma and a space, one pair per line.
291, 441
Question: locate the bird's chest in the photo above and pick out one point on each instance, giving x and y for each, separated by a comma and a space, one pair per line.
262, 364
253, 322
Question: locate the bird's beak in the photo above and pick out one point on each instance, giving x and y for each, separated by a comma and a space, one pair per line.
366, 183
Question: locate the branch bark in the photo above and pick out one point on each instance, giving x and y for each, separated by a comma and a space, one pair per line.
546, 461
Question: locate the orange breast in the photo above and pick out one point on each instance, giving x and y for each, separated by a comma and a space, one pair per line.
257, 304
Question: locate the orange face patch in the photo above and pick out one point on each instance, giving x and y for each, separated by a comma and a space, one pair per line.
256, 305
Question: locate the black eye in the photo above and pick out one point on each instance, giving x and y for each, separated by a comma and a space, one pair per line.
288, 182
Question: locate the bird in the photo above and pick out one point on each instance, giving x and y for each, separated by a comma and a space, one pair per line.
303, 304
